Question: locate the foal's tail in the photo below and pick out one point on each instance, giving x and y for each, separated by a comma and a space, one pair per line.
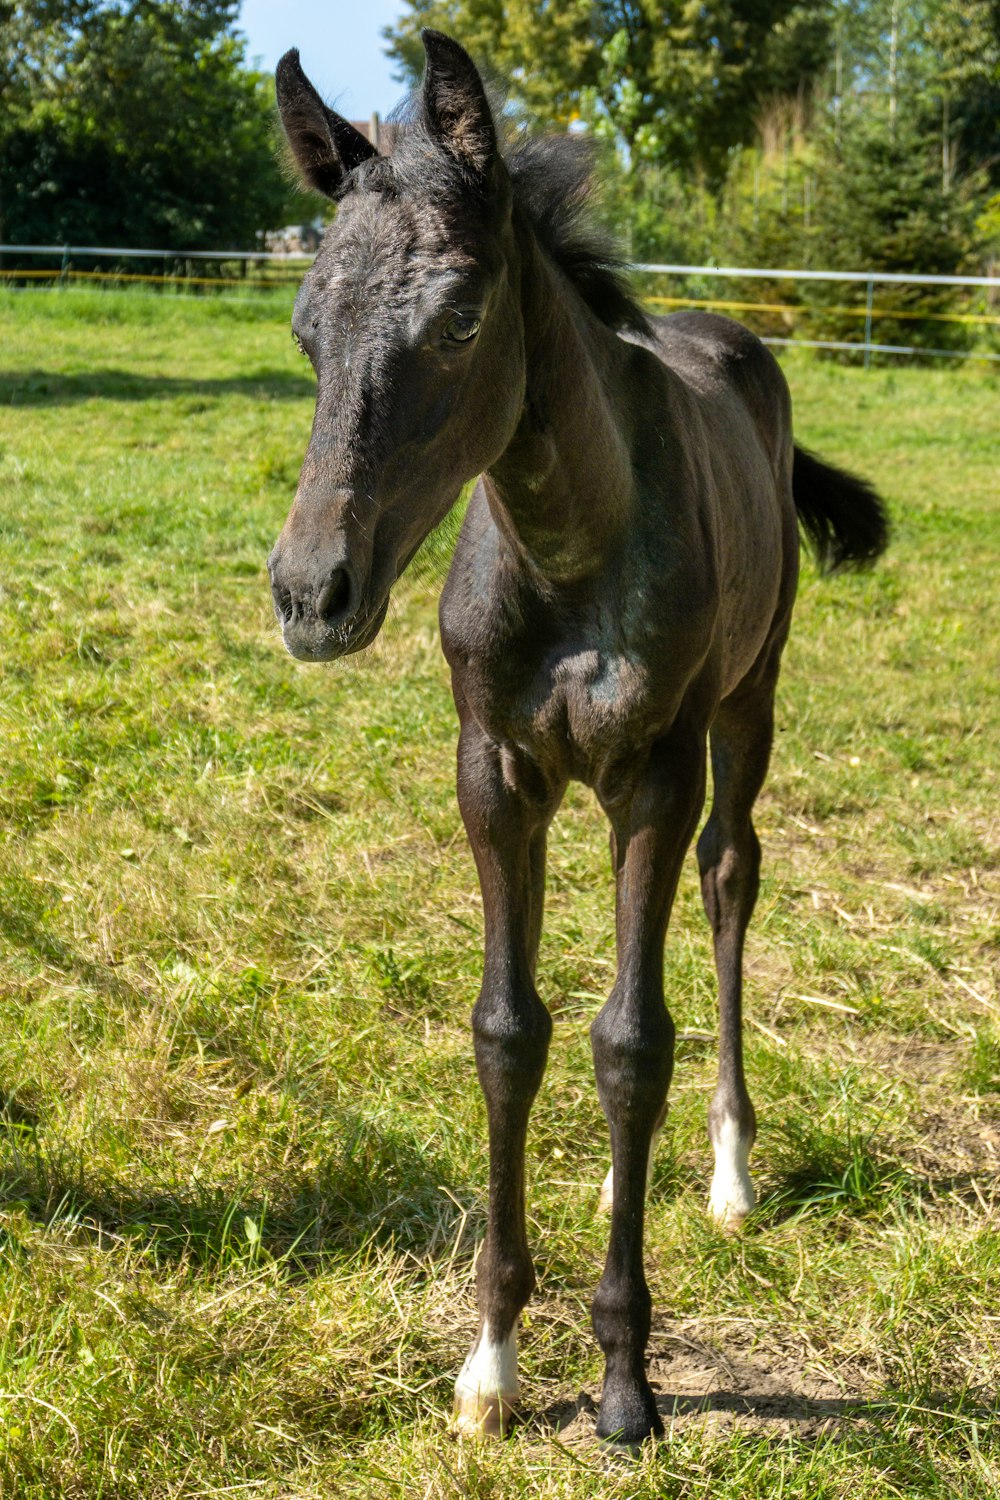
842, 516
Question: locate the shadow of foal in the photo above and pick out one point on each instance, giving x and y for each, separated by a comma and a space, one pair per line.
620, 594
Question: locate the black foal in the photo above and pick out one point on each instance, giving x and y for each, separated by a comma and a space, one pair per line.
619, 598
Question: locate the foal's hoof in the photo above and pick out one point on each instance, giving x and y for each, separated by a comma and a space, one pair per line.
629, 1418
730, 1200
730, 1216
482, 1416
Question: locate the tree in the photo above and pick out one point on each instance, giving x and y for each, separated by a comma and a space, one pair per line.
676, 84
964, 37
134, 122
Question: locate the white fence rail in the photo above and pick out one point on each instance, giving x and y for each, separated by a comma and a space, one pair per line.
869, 279
900, 278
866, 346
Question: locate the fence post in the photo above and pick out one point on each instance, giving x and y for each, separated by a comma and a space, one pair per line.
64, 268
870, 297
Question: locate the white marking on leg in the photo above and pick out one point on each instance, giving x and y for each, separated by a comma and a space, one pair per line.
732, 1193
486, 1390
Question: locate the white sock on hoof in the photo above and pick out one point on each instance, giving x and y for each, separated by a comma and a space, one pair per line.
732, 1193
486, 1390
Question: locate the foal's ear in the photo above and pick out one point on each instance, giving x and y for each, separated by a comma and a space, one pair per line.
456, 108
325, 145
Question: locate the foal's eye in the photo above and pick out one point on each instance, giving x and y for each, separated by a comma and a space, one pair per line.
461, 328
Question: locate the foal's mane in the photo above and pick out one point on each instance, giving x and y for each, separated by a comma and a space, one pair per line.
554, 183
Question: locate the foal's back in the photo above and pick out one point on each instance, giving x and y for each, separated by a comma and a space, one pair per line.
730, 410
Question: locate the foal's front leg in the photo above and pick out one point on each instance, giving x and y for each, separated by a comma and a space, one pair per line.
506, 808
633, 1040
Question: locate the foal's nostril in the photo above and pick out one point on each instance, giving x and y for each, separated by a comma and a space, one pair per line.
335, 601
282, 603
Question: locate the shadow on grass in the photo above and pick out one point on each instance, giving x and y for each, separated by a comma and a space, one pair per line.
51, 388
377, 1187
823, 1170
372, 1181
851, 1418
15, 1112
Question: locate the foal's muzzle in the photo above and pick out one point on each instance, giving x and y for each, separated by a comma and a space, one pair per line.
321, 610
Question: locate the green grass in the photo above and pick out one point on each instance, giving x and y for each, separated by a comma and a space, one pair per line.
242, 1156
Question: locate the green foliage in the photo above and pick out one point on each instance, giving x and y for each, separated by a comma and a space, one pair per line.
982, 1074
881, 202
135, 124
864, 134
673, 85
833, 1170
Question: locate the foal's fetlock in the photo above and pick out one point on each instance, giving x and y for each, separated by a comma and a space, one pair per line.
486, 1391
621, 1315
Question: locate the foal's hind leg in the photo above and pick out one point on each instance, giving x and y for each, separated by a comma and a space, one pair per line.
506, 809
632, 1040
606, 1196
729, 861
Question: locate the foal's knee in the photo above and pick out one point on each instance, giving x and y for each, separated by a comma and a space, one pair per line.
633, 1045
511, 1032
730, 871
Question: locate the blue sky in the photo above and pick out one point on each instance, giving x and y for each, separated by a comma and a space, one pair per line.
340, 43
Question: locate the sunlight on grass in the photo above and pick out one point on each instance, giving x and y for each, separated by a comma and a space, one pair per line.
241, 1147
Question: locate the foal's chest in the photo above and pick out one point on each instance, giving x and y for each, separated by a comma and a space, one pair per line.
575, 703
580, 679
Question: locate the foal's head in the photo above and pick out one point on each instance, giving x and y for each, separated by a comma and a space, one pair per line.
411, 318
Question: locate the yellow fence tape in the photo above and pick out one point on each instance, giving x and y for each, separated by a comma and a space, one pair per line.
797, 307
71, 275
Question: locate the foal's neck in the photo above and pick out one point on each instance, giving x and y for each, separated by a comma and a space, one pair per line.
561, 491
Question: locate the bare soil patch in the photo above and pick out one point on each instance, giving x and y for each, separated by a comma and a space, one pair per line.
724, 1382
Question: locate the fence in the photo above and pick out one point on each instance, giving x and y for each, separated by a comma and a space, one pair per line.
176, 267
905, 302
903, 310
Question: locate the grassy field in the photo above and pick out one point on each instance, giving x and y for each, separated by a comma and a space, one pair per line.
243, 1162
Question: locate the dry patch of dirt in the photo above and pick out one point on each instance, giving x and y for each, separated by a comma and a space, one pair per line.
726, 1383
956, 1156
722, 1383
